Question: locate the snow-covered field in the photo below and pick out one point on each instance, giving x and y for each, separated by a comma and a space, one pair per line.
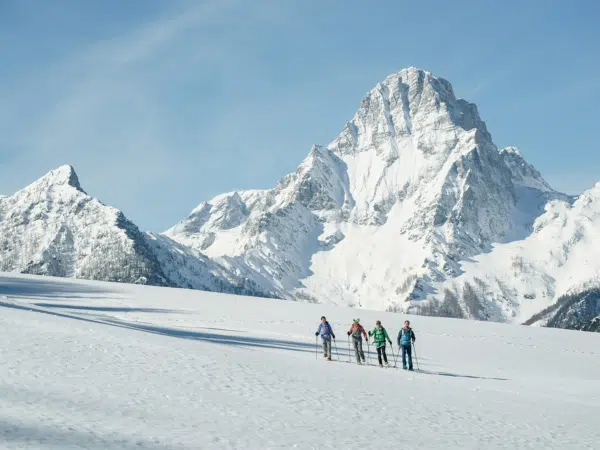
107, 366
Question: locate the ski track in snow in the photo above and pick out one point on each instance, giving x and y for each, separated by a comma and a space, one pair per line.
96, 365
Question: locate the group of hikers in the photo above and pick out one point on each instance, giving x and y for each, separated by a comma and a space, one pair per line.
406, 338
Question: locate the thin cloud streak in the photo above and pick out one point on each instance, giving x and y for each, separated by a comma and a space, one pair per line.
107, 121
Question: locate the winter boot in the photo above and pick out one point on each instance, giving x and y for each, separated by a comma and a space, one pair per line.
329, 358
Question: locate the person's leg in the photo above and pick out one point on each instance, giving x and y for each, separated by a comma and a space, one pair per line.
325, 353
329, 347
404, 357
355, 342
384, 355
360, 350
409, 351
379, 356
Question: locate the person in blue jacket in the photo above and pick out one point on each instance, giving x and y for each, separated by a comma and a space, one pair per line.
406, 337
326, 333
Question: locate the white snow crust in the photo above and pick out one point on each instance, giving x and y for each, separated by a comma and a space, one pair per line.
93, 365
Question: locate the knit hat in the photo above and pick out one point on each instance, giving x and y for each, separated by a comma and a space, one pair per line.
356, 320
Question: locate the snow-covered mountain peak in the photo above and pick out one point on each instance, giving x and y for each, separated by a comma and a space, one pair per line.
410, 103
61, 176
413, 183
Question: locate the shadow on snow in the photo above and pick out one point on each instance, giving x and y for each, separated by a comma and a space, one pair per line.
234, 340
103, 308
27, 288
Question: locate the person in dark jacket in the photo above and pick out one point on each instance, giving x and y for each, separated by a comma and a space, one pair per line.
357, 332
406, 337
326, 333
380, 335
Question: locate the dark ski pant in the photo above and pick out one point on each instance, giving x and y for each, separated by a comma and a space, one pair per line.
407, 350
381, 352
326, 345
358, 349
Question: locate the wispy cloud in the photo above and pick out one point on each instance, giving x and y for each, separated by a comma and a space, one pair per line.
103, 105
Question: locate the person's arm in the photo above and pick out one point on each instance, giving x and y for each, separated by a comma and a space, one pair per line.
399, 336
318, 329
331, 330
412, 336
364, 333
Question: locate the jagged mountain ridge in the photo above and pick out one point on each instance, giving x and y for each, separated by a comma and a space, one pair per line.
411, 208
53, 227
412, 187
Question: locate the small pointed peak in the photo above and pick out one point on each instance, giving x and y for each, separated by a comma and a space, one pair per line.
317, 150
511, 151
64, 175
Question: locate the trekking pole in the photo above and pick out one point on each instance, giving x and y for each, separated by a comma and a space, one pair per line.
316, 347
336, 350
349, 360
394, 355
416, 359
369, 351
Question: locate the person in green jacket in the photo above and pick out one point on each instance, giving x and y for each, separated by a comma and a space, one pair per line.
380, 335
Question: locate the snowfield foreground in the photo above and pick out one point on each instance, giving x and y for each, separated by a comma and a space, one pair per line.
108, 366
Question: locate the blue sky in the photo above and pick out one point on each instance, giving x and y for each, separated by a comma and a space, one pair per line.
162, 104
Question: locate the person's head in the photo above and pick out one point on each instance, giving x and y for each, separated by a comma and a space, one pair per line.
323, 319
356, 321
406, 323
378, 324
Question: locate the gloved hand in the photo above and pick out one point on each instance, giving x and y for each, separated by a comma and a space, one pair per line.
333, 335
348, 333
317, 333
390, 342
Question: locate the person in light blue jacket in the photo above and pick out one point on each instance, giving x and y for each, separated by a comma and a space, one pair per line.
326, 333
406, 337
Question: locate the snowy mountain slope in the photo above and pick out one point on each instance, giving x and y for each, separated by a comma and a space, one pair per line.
412, 208
516, 281
411, 187
577, 311
91, 365
53, 227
